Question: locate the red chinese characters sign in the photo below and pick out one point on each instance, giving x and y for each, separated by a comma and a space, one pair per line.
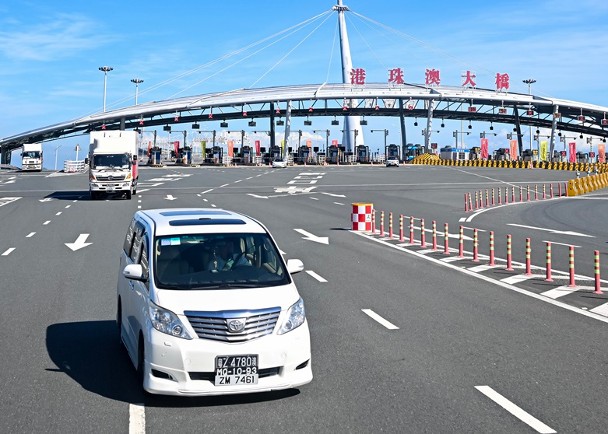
395, 76
357, 76
468, 79
502, 81
484, 149
431, 77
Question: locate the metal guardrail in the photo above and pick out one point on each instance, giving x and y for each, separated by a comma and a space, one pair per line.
73, 166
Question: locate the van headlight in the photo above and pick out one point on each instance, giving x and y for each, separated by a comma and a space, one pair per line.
295, 318
167, 322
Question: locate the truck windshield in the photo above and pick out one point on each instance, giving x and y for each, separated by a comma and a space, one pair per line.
217, 261
111, 160
31, 154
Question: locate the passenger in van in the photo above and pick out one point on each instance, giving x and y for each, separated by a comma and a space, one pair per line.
226, 256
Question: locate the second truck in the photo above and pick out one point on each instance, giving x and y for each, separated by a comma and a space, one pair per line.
112, 163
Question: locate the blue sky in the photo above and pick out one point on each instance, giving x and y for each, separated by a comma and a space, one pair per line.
50, 51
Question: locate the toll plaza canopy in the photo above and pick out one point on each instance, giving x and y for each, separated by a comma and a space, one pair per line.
371, 99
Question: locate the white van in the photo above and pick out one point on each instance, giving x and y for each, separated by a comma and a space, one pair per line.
207, 305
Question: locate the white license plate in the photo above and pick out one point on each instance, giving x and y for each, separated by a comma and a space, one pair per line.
236, 370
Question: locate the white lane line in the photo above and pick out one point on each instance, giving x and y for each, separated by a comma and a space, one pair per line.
59, 213
481, 268
316, 276
338, 203
205, 200
560, 291
314, 198
67, 206
8, 251
519, 278
601, 309
213, 206
237, 181
46, 223
137, 419
516, 411
373, 315
30, 235
225, 185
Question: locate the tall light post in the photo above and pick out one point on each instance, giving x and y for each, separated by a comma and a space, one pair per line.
137, 82
56, 149
530, 82
105, 70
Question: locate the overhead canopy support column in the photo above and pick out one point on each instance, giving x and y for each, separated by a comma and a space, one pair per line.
553, 128
520, 143
287, 128
402, 123
272, 138
429, 124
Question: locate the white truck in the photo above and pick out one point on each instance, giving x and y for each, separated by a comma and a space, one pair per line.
112, 163
31, 157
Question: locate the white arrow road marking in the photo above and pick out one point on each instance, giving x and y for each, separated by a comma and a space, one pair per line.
311, 237
515, 410
79, 243
170, 197
553, 231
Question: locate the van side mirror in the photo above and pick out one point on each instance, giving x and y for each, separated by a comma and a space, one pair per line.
134, 272
86, 161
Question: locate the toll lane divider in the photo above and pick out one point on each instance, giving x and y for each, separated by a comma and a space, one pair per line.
529, 271
504, 196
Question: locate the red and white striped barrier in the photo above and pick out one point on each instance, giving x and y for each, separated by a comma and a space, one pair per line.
361, 216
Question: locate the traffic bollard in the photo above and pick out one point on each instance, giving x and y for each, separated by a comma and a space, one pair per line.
381, 223
528, 258
572, 283
422, 234
411, 230
434, 226
475, 246
390, 225
461, 242
491, 249
446, 236
596, 266
548, 263
401, 228
509, 253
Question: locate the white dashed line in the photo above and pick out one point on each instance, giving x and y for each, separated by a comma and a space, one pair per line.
137, 419
67, 206
225, 185
515, 410
59, 213
338, 203
8, 251
30, 235
316, 276
46, 223
314, 198
373, 315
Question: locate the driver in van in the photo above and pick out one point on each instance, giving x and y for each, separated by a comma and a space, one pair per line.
225, 257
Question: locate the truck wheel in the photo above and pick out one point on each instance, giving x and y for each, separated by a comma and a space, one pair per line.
129, 195
93, 195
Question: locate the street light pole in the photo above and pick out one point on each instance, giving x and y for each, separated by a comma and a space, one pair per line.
56, 156
137, 82
530, 82
105, 70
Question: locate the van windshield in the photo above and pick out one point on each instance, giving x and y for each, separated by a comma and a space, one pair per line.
217, 261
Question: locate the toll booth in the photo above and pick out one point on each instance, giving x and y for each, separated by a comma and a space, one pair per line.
217, 155
363, 155
246, 155
411, 151
475, 153
275, 152
303, 155
582, 157
501, 154
184, 156
447, 153
393, 151
154, 157
333, 154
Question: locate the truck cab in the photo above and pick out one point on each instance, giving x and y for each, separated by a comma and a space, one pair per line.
31, 157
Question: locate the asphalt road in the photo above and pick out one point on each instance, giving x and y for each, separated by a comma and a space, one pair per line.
402, 340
